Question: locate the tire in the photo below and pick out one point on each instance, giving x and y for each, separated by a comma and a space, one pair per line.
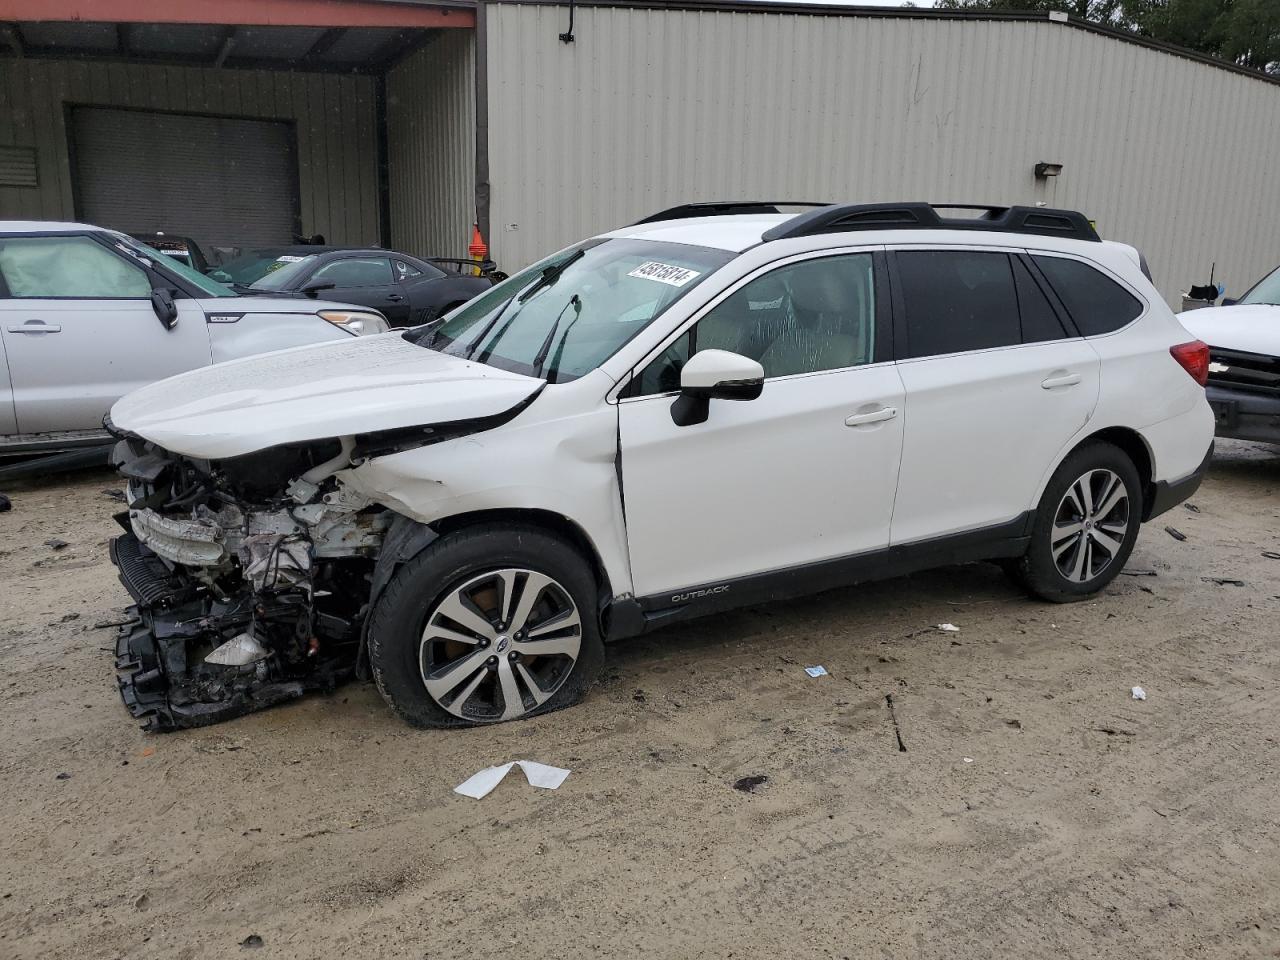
457, 636
1074, 551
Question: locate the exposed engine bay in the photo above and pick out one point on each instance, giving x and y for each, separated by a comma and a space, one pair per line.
246, 593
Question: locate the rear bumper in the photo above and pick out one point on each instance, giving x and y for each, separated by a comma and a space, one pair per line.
1242, 415
1167, 494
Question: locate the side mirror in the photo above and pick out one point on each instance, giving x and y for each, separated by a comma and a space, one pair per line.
714, 375
166, 310
315, 286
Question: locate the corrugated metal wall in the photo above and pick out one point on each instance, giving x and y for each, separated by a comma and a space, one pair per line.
431, 137
650, 107
334, 115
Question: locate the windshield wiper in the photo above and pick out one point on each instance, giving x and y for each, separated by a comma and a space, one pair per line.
551, 274
541, 357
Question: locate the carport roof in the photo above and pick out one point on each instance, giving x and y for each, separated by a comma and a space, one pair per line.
343, 35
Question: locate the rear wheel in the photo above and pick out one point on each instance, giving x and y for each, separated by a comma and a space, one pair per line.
488, 624
1085, 526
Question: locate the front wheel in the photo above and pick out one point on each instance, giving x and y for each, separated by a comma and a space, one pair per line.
1085, 526
487, 624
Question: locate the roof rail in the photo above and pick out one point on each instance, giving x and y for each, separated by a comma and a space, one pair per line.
847, 217
721, 208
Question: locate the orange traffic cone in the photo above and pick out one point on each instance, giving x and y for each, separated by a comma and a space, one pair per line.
477, 249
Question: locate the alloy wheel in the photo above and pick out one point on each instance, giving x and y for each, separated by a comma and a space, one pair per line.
1090, 525
500, 645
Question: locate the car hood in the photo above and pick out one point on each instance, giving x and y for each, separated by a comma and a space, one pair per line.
1251, 327
361, 385
273, 303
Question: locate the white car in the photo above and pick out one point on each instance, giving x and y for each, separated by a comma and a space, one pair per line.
658, 423
1244, 361
87, 315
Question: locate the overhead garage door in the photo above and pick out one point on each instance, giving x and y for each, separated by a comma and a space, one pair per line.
224, 182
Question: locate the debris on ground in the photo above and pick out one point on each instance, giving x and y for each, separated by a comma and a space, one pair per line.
117, 495
252, 940
1139, 573
749, 784
948, 628
1192, 507
5, 503
481, 784
1271, 555
1176, 534
63, 776
56, 544
104, 624
140, 903
68, 617
1223, 581
967, 759
1138, 693
818, 671
893, 715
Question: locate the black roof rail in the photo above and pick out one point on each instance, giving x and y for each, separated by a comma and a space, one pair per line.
847, 217
722, 208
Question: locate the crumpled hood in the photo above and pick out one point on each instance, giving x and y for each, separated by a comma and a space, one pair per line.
360, 385
1251, 327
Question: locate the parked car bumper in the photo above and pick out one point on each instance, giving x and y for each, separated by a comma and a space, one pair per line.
1167, 494
1242, 415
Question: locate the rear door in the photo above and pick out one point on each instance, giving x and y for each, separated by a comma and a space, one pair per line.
368, 281
996, 383
79, 330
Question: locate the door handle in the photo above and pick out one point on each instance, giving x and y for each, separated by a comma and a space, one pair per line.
394, 297
35, 326
875, 416
1065, 380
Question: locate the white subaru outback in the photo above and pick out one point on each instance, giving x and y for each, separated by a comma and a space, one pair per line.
685, 415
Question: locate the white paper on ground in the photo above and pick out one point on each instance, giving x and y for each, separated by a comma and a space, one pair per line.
1138, 693
480, 785
948, 628
818, 671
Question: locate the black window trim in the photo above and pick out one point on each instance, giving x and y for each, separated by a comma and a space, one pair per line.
1057, 306
1033, 252
884, 331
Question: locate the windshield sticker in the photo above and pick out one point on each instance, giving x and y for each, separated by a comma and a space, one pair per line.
289, 259
664, 273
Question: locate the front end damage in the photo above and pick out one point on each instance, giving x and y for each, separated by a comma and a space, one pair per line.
247, 592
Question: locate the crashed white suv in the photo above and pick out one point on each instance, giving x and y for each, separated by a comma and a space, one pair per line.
678, 417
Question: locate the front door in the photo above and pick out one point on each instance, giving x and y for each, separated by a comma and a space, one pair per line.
805, 472
80, 332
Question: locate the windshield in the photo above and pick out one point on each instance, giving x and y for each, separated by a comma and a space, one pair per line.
1266, 290
261, 269
567, 314
194, 277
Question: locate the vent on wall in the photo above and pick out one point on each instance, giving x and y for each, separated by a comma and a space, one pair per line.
18, 167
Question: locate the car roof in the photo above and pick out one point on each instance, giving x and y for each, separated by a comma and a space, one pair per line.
314, 248
735, 233
47, 226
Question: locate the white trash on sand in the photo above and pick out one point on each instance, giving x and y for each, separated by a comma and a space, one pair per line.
818, 671
948, 628
1138, 693
480, 785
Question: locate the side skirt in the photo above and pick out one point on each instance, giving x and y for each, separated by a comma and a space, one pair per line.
632, 616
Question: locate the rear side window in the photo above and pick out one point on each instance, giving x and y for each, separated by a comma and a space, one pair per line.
1096, 303
957, 300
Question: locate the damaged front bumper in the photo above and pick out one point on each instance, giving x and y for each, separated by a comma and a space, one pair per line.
240, 602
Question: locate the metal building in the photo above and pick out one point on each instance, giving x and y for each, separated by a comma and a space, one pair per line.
403, 122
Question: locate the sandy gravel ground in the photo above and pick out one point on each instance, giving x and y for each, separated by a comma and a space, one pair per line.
1038, 811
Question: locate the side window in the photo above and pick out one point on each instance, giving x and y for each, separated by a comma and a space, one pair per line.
957, 300
362, 272
405, 271
1039, 321
1096, 303
69, 267
802, 318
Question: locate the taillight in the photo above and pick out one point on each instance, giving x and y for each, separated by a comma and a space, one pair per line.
1193, 357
